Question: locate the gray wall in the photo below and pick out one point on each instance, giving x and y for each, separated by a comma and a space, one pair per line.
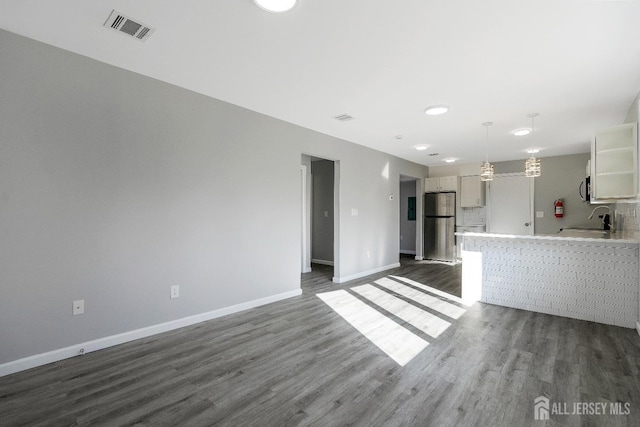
322, 204
115, 186
561, 176
407, 228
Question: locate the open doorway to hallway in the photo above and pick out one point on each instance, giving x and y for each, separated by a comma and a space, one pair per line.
408, 215
319, 209
410, 227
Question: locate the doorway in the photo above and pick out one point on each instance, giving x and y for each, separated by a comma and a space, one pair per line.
510, 204
408, 215
322, 211
320, 231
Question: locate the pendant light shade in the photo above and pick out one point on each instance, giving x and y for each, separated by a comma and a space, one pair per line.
486, 169
532, 165
276, 6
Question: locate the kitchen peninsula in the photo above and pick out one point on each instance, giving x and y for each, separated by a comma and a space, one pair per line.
585, 278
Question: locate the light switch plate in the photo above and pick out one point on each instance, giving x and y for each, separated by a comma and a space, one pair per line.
539, 214
175, 291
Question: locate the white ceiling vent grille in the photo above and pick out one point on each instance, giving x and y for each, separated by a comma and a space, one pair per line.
122, 24
343, 117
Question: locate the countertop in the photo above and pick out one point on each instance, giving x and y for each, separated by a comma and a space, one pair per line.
618, 236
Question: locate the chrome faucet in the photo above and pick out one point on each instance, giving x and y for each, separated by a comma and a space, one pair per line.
606, 218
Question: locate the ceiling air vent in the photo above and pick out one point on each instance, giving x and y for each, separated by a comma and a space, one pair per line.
122, 24
343, 117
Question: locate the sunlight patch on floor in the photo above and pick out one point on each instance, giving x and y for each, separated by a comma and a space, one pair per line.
444, 307
396, 341
428, 323
432, 290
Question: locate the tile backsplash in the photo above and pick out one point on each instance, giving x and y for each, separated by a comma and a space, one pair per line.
474, 216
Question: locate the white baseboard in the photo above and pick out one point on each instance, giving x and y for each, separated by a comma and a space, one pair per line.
321, 261
406, 252
638, 327
307, 270
419, 258
365, 273
101, 343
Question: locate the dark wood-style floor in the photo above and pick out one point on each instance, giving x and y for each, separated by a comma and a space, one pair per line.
297, 362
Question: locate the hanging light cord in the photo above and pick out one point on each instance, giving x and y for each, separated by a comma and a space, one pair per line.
486, 169
486, 148
487, 144
533, 117
532, 165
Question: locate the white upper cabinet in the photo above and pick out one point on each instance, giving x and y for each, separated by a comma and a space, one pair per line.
449, 183
431, 185
472, 191
614, 163
443, 183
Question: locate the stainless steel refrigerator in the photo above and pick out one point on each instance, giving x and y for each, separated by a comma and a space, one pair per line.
439, 226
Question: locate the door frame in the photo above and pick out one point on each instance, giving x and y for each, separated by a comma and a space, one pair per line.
306, 226
419, 185
531, 200
306, 241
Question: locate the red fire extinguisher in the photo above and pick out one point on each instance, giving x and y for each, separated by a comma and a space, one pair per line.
559, 208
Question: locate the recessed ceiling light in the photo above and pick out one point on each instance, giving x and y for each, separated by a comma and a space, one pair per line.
436, 110
521, 132
533, 150
276, 6
421, 147
449, 160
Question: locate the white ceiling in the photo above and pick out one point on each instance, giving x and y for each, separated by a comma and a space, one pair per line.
576, 62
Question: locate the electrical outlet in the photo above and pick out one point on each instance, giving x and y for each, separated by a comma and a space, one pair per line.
175, 291
78, 307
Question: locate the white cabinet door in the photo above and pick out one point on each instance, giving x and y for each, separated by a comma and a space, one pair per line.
448, 183
472, 193
614, 160
431, 185
443, 183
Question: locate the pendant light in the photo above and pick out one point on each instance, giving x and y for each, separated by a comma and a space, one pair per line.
486, 170
532, 165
